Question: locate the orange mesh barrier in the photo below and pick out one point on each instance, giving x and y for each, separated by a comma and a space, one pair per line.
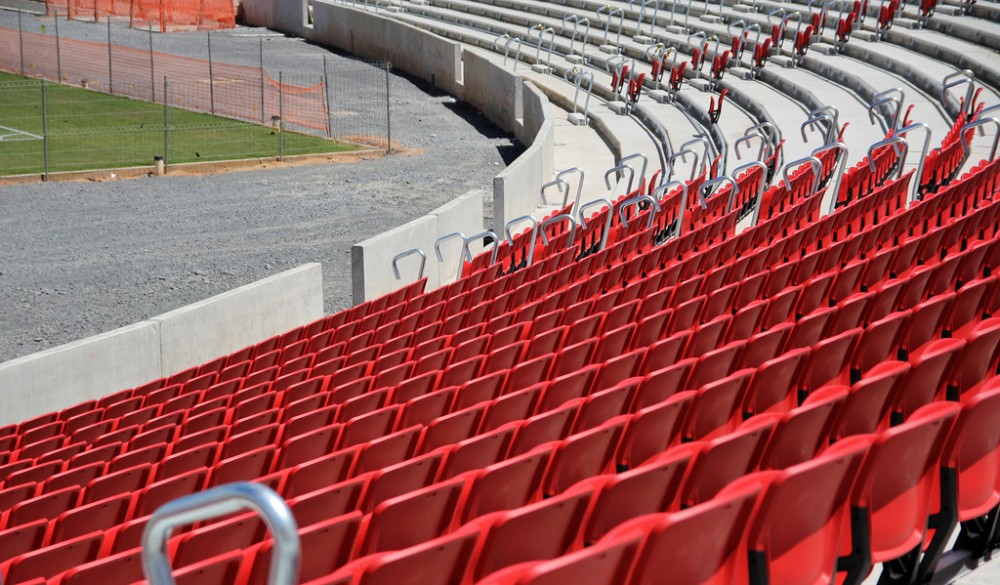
162, 14
240, 92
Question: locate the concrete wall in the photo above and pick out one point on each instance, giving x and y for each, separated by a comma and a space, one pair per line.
517, 190
230, 321
94, 367
494, 90
371, 260
366, 34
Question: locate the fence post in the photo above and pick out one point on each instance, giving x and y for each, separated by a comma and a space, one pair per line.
388, 109
45, 128
55, 18
326, 94
166, 127
152, 69
263, 114
20, 39
111, 79
281, 116
211, 76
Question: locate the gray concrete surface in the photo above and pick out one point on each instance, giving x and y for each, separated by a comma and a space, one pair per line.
200, 332
78, 259
96, 366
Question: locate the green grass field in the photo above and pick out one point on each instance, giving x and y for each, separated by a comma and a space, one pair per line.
91, 130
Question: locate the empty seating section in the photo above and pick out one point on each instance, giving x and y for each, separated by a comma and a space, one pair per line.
660, 391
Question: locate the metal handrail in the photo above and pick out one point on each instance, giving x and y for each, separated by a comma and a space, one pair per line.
814, 121
915, 188
496, 244
764, 144
828, 109
838, 172
557, 182
884, 123
633, 156
579, 184
614, 171
707, 186
817, 166
410, 252
978, 123
220, 501
895, 140
761, 188
636, 201
461, 257
558, 218
683, 203
534, 234
681, 154
947, 84
607, 221
709, 150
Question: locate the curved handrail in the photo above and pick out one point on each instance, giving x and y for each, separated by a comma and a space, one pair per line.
682, 155
708, 185
636, 201
978, 123
761, 188
709, 150
817, 166
534, 234
410, 252
894, 140
579, 184
461, 257
496, 244
556, 183
838, 172
765, 145
607, 221
915, 187
614, 170
558, 218
831, 110
884, 123
220, 501
814, 121
946, 84
664, 187
635, 155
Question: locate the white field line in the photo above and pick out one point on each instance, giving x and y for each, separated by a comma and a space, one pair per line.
15, 134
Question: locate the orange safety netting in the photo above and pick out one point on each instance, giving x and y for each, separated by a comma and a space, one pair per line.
162, 14
233, 91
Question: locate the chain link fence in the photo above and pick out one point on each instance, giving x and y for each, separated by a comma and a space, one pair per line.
256, 111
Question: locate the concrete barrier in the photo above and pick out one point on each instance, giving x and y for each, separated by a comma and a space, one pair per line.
82, 370
371, 260
365, 34
494, 90
230, 321
90, 368
517, 190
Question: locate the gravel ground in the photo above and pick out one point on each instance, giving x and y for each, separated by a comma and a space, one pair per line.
77, 259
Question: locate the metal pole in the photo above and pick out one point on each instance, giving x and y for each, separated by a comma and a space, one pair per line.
20, 40
211, 76
388, 117
111, 79
166, 127
45, 128
281, 116
152, 76
263, 114
58, 54
326, 93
